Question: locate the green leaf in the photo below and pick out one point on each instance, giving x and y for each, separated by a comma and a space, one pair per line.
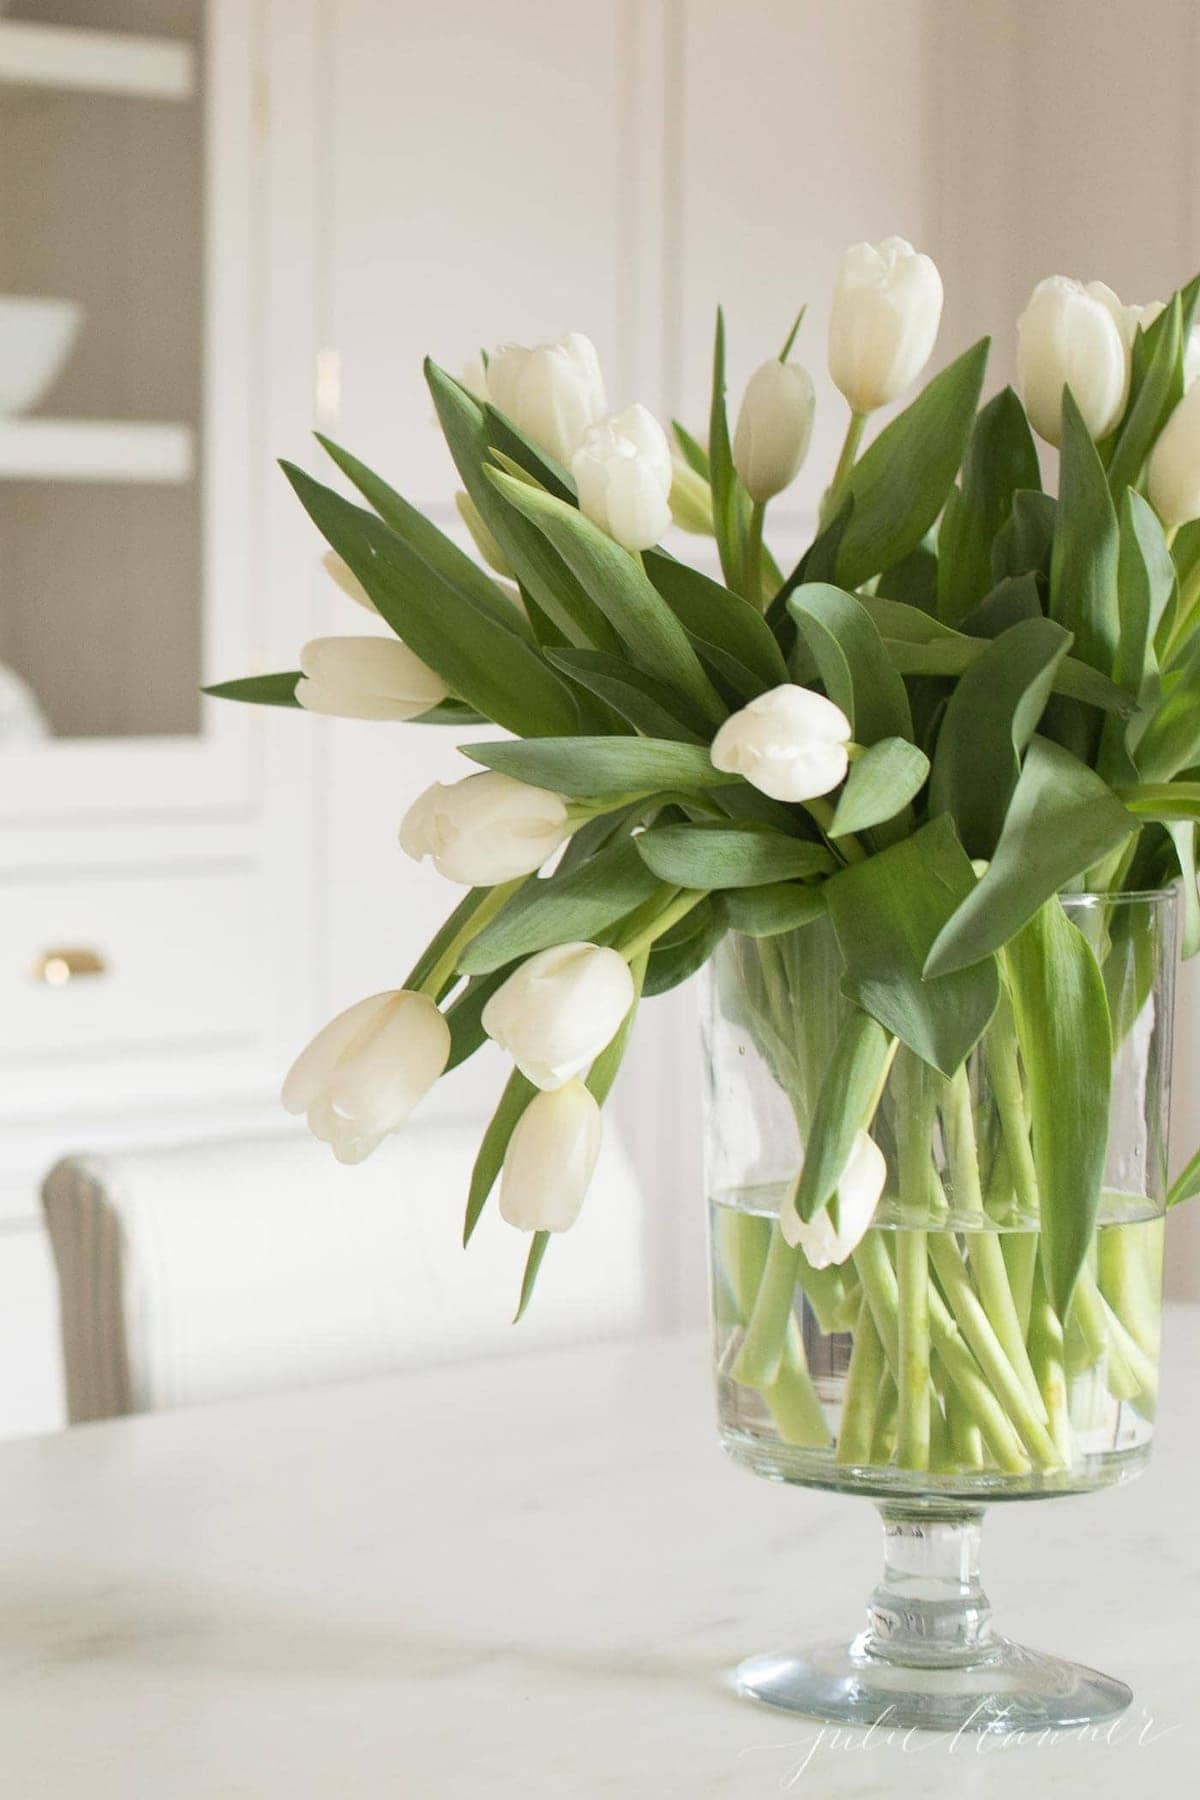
1065, 1038
1182, 833
848, 1095
1163, 800
776, 907
589, 767
726, 856
1186, 1184
714, 616
881, 784
563, 908
485, 664
1145, 584
989, 720
642, 701
886, 913
619, 586
1061, 820
858, 673
1083, 565
677, 955
509, 441
516, 1097
694, 454
729, 498
1024, 544
941, 651
259, 690
913, 580
1014, 599
1001, 460
1155, 387
899, 486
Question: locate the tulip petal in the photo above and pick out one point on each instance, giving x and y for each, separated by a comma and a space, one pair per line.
389, 1068
309, 1075
550, 1160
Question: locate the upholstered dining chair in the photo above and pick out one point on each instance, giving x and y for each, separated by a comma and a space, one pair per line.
211, 1270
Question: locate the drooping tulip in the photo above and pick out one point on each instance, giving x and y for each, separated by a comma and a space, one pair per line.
858, 1190
1069, 337
557, 1011
623, 472
789, 743
550, 1159
1173, 472
348, 581
774, 428
485, 829
363, 1073
887, 307
552, 392
366, 678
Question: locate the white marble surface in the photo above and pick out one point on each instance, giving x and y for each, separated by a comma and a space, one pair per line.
526, 1579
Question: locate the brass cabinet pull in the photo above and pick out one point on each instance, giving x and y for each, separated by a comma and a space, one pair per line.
61, 966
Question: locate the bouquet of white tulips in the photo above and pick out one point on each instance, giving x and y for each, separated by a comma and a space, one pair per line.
968, 699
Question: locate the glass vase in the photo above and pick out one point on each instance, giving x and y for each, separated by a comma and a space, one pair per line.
929, 1370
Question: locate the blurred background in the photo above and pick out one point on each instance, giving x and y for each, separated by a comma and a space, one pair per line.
223, 222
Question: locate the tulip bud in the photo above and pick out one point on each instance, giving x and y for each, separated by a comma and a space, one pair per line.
348, 581
690, 499
485, 829
361, 1075
367, 678
887, 307
774, 428
789, 743
552, 393
1173, 472
557, 1012
1068, 336
623, 472
550, 1160
482, 538
858, 1190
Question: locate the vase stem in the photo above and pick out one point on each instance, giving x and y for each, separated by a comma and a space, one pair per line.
929, 1609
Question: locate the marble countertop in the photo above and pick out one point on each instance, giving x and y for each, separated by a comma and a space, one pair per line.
529, 1579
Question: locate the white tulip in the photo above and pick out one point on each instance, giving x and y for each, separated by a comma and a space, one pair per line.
1173, 472
557, 1012
485, 829
364, 1072
1069, 336
1128, 319
474, 377
348, 581
1191, 357
623, 472
366, 678
774, 428
789, 743
550, 1160
551, 393
858, 1191
887, 307
482, 538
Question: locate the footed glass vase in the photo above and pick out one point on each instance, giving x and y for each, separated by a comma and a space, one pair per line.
927, 1368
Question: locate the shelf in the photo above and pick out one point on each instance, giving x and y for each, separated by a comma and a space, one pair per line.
94, 450
97, 62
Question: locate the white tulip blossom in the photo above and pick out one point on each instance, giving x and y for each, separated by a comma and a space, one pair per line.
557, 1011
887, 307
1129, 319
774, 428
552, 393
366, 678
363, 1073
550, 1160
1173, 472
789, 743
623, 472
348, 581
858, 1190
1191, 357
1069, 336
485, 829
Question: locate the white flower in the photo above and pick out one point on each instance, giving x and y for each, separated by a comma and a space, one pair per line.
1068, 336
858, 1190
556, 1012
364, 1072
1173, 472
789, 743
474, 377
774, 428
887, 307
366, 678
623, 472
1191, 357
485, 829
348, 581
550, 1160
552, 393
1128, 319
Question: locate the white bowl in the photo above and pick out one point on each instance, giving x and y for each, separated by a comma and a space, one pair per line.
36, 337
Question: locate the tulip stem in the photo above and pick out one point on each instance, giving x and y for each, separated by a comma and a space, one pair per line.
845, 463
444, 968
752, 568
678, 908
